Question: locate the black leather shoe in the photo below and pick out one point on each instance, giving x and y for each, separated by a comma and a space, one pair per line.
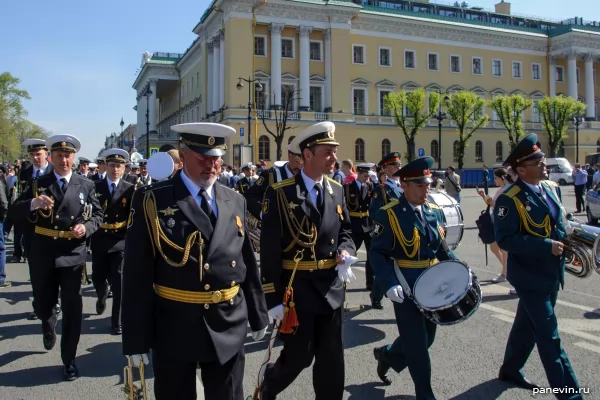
32, 317
70, 372
519, 381
100, 306
57, 309
375, 304
110, 294
116, 330
49, 339
382, 368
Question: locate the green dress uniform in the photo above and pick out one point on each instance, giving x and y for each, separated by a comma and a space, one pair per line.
304, 226
402, 240
383, 194
527, 219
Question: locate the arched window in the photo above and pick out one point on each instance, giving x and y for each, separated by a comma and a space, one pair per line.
264, 148
435, 150
478, 151
455, 150
359, 150
499, 151
386, 147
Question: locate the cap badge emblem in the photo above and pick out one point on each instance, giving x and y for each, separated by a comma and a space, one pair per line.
63, 144
211, 141
330, 134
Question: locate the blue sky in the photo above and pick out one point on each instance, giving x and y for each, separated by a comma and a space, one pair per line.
78, 59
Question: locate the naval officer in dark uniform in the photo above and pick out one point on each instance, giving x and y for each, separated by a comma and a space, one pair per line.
191, 282
394, 249
108, 246
528, 224
65, 211
383, 194
307, 230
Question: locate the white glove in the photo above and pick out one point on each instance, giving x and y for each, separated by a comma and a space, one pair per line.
276, 312
137, 358
258, 335
395, 294
345, 271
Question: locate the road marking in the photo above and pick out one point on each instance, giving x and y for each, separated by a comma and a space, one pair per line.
578, 306
588, 346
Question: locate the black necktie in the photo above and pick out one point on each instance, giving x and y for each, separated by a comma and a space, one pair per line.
37, 174
113, 187
205, 206
420, 219
65, 185
364, 190
319, 204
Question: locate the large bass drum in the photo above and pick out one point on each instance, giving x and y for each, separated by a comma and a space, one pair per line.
453, 217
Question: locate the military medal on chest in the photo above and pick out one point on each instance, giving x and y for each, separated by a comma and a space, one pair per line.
170, 222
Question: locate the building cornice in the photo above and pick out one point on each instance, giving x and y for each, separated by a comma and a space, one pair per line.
191, 58
153, 72
580, 42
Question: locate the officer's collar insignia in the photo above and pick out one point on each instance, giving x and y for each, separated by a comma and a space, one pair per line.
168, 211
98, 195
378, 229
300, 194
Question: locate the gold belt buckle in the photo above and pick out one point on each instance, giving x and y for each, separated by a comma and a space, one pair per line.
320, 264
61, 234
217, 296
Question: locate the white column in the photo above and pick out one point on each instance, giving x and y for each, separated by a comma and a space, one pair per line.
304, 34
275, 94
572, 56
222, 68
140, 120
152, 105
552, 76
209, 78
216, 72
590, 112
327, 39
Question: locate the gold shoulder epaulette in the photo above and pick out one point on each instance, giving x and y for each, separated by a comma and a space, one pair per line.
283, 183
389, 205
512, 192
333, 181
434, 206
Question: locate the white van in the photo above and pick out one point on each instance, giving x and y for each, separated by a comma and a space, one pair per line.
560, 171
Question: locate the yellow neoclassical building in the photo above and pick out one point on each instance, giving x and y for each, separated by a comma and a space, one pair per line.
340, 58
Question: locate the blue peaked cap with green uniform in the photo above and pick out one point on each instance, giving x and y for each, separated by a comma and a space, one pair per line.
418, 171
526, 149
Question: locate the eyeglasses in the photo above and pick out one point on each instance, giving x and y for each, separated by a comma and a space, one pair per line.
538, 164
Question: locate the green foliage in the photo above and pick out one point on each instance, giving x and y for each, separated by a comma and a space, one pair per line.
509, 110
556, 112
411, 114
467, 110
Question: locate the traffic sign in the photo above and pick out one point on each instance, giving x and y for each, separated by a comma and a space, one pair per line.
241, 131
421, 152
153, 151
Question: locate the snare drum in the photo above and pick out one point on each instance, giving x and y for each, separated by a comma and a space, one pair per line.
453, 218
447, 293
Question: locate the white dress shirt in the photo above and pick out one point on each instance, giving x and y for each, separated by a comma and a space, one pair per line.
537, 190
42, 170
310, 186
67, 177
110, 182
195, 192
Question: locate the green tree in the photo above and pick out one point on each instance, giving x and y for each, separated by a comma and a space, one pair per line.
467, 110
12, 113
556, 112
509, 111
411, 111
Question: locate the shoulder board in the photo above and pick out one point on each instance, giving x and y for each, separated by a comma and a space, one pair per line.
283, 183
389, 205
551, 183
433, 206
512, 192
333, 181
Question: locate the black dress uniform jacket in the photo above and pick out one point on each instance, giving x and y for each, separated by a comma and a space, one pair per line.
111, 235
358, 206
243, 185
256, 193
317, 291
178, 330
131, 178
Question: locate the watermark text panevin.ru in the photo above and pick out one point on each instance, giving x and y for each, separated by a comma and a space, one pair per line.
564, 390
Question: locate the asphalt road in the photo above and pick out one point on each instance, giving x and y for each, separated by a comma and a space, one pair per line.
465, 357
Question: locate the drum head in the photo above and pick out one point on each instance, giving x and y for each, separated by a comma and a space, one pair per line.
442, 285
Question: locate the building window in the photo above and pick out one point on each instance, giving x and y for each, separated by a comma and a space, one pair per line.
315, 99
386, 147
499, 151
560, 74
410, 59
359, 150
288, 92
192, 119
432, 62
385, 57
477, 66
577, 72
497, 67
435, 150
260, 99
260, 46
455, 64
187, 87
535, 112
315, 51
287, 48
197, 79
455, 150
358, 101
478, 151
198, 113
264, 147
536, 72
192, 83
382, 110
358, 54
516, 69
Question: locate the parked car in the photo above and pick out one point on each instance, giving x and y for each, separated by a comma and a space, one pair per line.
592, 208
438, 175
560, 171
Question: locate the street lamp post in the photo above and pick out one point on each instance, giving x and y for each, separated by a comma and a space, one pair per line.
258, 87
148, 94
121, 142
440, 117
577, 120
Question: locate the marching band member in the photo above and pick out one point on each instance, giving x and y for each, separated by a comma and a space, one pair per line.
245, 183
65, 211
255, 194
358, 198
407, 239
101, 172
528, 224
108, 244
84, 167
143, 177
383, 194
307, 268
128, 175
191, 282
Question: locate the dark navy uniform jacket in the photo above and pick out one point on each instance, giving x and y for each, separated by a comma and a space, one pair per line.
113, 227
